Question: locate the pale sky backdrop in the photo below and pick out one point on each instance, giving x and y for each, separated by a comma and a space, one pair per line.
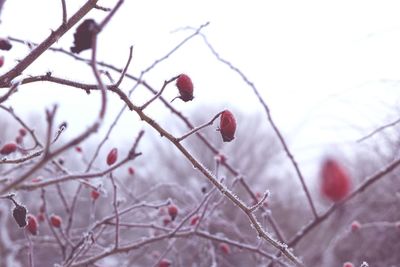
329, 70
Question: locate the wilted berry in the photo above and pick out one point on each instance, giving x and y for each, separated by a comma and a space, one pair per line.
94, 194
8, 148
55, 221
172, 211
225, 248
32, 225
84, 35
335, 181
185, 87
19, 214
131, 170
227, 126
112, 156
5, 44
164, 263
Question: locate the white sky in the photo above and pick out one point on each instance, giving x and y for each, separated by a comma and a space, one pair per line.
329, 70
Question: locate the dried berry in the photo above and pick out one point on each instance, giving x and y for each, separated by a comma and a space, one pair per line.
131, 170
94, 194
112, 156
32, 225
335, 181
227, 126
19, 214
164, 263
5, 44
172, 211
225, 248
8, 148
84, 35
55, 221
185, 87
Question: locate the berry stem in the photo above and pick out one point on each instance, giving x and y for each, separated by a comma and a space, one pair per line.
198, 128
159, 93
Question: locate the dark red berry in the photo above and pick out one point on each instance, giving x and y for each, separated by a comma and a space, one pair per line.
84, 35
112, 156
164, 263
225, 248
194, 220
227, 126
5, 44
8, 148
185, 87
32, 225
172, 211
19, 214
78, 149
55, 221
94, 194
131, 170
336, 182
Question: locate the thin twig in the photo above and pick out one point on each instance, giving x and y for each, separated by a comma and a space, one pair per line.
199, 128
159, 93
379, 130
64, 12
118, 83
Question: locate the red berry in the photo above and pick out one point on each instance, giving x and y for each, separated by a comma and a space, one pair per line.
185, 87
112, 156
348, 264
40, 217
227, 126
32, 225
164, 263
8, 148
335, 181
172, 211
131, 170
5, 44
22, 132
166, 221
78, 149
225, 248
56, 221
1, 61
94, 194
194, 220
355, 225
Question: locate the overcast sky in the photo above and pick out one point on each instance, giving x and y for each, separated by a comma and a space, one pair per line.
329, 70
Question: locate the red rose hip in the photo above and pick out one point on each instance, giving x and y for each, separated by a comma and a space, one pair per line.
8, 148
55, 221
227, 126
185, 87
172, 211
112, 156
336, 182
32, 225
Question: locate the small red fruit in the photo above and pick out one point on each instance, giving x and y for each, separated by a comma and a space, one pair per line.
131, 170
1, 61
8, 148
18, 139
194, 220
22, 132
78, 149
225, 248
185, 87
227, 126
32, 225
56, 221
336, 182
164, 263
172, 211
355, 225
112, 156
166, 221
348, 264
94, 194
